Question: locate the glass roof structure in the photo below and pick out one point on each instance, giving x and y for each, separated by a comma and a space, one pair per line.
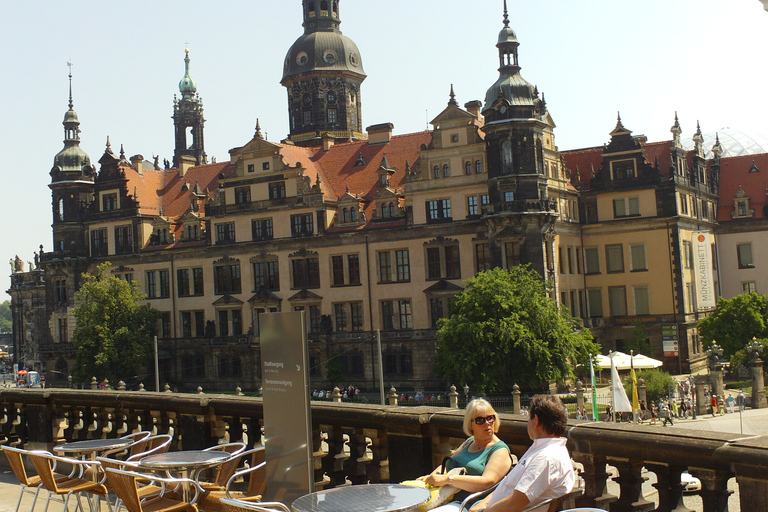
733, 142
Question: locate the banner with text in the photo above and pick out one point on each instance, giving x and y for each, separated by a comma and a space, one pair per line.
702, 256
287, 413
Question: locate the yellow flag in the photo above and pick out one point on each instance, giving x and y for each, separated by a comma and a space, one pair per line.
635, 402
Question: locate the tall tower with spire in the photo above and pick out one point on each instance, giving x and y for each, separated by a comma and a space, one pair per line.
71, 185
323, 72
188, 120
519, 141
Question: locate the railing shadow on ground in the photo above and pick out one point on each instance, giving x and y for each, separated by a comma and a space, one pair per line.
360, 443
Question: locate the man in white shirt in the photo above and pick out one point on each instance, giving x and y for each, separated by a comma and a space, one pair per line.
545, 471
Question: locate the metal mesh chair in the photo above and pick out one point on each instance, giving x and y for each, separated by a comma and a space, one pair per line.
124, 485
247, 506
227, 469
26, 482
213, 500
62, 490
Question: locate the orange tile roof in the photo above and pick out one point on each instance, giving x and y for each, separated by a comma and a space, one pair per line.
735, 173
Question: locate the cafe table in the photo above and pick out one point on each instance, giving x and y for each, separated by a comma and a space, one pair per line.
370, 497
91, 448
185, 464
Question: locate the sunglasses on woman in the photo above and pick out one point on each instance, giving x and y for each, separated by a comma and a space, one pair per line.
481, 420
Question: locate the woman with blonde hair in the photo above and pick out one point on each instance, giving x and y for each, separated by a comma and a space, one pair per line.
485, 458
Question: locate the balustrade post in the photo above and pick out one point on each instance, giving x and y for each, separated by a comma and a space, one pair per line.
358, 459
516, 409
39, 433
453, 397
758, 384
318, 456
141, 386
595, 480
94, 384
753, 487
378, 468
670, 487
196, 431
121, 386
392, 397
630, 482
579, 397
714, 490
167, 388
336, 397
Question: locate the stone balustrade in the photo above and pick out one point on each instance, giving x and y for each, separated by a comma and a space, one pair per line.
359, 443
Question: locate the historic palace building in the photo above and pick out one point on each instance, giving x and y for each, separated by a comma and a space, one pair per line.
366, 230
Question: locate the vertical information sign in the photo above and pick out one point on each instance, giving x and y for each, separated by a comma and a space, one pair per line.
287, 413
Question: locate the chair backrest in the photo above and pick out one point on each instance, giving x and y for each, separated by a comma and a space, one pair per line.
16, 460
257, 480
42, 461
139, 441
227, 469
123, 484
548, 505
155, 444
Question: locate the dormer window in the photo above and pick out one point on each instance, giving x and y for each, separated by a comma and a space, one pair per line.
741, 207
623, 169
384, 180
109, 202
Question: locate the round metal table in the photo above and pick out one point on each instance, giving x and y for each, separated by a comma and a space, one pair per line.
186, 463
92, 446
371, 498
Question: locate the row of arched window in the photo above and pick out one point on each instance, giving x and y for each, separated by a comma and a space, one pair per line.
468, 167
349, 214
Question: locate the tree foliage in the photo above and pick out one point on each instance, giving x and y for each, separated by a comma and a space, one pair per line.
658, 384
505, 329
735, 321
638, 341
114, 332
334, 369
6, 318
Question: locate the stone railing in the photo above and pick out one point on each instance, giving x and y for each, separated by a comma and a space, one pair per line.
372, 443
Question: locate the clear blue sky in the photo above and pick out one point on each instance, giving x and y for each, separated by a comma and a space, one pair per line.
705, 59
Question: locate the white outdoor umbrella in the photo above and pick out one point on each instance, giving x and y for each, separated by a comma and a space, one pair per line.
622, 361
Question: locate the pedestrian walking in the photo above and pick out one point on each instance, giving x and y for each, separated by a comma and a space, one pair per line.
664, 413
742, 401
731, 403
713, 404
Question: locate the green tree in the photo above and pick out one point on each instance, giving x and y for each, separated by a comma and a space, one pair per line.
735, 321
638, 341
505, 329
114, 332
6, 318
334, 369
658, 384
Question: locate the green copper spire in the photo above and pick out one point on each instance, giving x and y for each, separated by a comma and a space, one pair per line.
187, 86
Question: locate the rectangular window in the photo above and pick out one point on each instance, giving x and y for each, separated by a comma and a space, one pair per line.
199, 323
165, 324
356, 315
435, 311
574, 304
570, 260
306, 273
63, 333
60, 290
406, 315
561, 259
151, 285
403, 265
385, 267
626, 207
182, 282
595, 297
307, 118
123, 239
614, 258
337, 270
237, 322
617, 297
277, 190
223, 323
623, 169
227, 279
509, 197
165, 284
302, 225
578, 260
251, 168
388, 315
684, 204
340, 317
439, 209
99, 242
433, 263
261, 229
225, 233
472, 205
688, 254
197, 281
242, 195
332, 116
266, 276
482, 257
592, 260
452, 262
109, 202
511, 254
744, 252
186, 324
642, 304
637, 253
353, 264
748, 287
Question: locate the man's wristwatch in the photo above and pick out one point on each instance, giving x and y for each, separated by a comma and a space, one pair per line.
451, 477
